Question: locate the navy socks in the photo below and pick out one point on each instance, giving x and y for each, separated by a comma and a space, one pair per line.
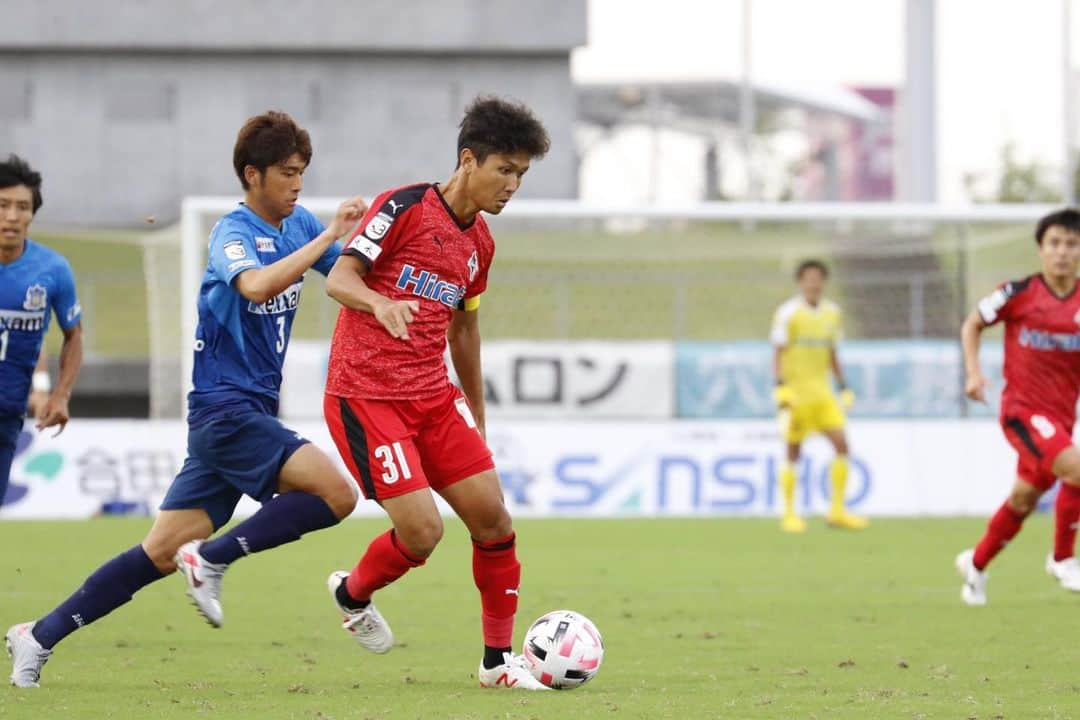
107, 588
282, 519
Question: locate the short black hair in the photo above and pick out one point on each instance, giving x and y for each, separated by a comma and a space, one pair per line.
269, 139
811, 265
493, 125
16, 171
1068, 218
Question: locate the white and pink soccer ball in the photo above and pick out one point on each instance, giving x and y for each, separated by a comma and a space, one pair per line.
564, 649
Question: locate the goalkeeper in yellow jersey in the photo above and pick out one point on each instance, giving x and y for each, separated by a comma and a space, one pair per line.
804, 334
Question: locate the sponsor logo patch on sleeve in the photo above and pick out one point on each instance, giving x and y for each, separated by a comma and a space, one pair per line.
365, 247
234, 250
379, 225
241, 264
992, 303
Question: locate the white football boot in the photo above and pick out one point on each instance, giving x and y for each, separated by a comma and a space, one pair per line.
27, 655
1066, 572
973, 591
513, 674
203, 580
367, 627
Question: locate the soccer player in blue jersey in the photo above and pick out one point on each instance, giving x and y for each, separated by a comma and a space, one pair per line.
258, 254
35, 282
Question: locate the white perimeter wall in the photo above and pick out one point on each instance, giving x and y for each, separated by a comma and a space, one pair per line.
580, 468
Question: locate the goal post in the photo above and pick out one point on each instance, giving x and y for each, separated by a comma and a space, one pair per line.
571, 270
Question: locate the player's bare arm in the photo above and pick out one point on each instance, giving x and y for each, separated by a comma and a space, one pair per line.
974, 381
463, 336
345, 283
40, 385
55, 413
260, 284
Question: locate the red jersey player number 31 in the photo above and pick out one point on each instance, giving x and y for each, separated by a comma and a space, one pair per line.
409, 282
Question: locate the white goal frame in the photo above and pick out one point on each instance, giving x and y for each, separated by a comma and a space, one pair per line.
195, 209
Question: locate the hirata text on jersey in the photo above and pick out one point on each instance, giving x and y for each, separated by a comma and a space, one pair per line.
427, 284
1043, 340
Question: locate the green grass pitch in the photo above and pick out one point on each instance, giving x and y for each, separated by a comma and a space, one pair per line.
702, 618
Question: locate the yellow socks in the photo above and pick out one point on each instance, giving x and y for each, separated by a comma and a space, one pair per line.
787, 487
838, 476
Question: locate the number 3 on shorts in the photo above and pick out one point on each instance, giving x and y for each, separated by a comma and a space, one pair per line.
1043, 426
387, 456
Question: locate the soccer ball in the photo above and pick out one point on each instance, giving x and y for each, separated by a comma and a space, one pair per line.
564, 649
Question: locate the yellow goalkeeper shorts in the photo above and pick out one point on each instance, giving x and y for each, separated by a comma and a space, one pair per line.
807, 418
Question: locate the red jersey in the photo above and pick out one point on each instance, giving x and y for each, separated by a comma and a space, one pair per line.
1042, 346
415, 249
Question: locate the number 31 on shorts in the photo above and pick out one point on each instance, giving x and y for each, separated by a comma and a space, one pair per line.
392, 457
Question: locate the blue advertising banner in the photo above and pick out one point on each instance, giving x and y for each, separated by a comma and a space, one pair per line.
891, 379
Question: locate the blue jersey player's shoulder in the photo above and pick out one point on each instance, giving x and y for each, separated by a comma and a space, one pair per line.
50, 273
232, 248
310, 227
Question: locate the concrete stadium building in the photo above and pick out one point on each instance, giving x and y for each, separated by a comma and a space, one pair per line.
128, 106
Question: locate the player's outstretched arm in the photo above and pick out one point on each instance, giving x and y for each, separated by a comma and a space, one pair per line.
463, 336
260, 284
55, 412
974, 381
345, 283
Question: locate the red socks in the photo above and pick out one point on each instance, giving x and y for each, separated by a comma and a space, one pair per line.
383, 563
1066, 516
496, 571
497, 574
1002, 528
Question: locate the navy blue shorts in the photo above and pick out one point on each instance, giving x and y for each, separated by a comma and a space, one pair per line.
239, 453
10, 427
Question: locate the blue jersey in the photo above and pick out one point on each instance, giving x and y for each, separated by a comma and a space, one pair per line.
240, 345
36, 282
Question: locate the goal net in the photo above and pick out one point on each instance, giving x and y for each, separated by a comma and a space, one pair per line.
706, 273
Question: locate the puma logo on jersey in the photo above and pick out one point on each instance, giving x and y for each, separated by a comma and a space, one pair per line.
427, 284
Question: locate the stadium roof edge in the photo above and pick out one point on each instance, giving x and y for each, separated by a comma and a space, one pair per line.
609, 103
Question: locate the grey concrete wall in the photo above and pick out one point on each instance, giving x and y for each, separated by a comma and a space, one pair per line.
310, 25
130, 115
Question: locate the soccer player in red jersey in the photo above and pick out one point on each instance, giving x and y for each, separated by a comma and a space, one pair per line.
409, 282
1038, 405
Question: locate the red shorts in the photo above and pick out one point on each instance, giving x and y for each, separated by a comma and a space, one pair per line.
393, 447
1038, 439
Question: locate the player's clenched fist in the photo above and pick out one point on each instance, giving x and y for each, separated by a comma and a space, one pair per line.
975, 386
395, 316
348, 214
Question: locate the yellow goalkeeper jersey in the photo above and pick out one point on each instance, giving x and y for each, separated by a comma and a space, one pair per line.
806, 335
